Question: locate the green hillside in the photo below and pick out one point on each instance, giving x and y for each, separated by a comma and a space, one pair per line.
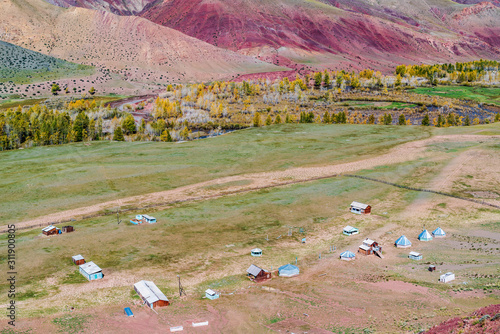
23, 66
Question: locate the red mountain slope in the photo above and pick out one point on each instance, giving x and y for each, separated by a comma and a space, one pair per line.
329, 33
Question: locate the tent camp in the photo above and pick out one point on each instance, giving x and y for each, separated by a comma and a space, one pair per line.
288, 270
438, 233
425, 236
402, 242
347, 256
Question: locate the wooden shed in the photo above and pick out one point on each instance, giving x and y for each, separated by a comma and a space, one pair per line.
150, 294
67, 229
257, 274
50, 230
78, 259
360, 208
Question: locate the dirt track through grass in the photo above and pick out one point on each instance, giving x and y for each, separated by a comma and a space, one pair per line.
254, 181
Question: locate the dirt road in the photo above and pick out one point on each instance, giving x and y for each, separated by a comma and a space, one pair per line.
216, 188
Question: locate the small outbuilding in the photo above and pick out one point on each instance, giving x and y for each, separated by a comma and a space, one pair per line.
349, 230
432, 268
67, 229
91, 271
369, 247
257, 274
415, 256
150, 294
211, 294
149, 219
288, 270
360, 208
438, 233
347, 256
425, 236
448, 277
50, 230
402, 242
78, 259
256, 252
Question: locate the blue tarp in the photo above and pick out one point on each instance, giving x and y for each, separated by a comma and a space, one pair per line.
128, 312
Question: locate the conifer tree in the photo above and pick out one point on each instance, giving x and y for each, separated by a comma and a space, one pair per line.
118, 135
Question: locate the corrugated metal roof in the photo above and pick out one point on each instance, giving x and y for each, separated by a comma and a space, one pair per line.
148, 217
149, 291
365, 247
48, 228
254, 270
438, 231
349, 228
425, 235
288, 267
210, 292
415, 254
368, 242
77, 257
359, 205
90, 268
347, 254
403, 241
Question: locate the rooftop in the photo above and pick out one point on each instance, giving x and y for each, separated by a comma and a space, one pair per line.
149, 291
90, 268
77, 257
359, 205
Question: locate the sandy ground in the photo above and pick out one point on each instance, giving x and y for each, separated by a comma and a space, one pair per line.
402, 153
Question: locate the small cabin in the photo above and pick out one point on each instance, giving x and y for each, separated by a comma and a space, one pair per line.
78, 259
50, 230
415, 256
360, 208
257, 274
68, 229
448, 277
149, 219
256, 252
432, 268
349, 230
211, 294
150, 294
91, 271
139, 219
369, 247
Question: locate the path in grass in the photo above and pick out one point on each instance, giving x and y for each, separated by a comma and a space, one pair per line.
253, 181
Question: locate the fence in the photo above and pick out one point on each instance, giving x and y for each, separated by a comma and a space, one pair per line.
199, 198
425, 190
